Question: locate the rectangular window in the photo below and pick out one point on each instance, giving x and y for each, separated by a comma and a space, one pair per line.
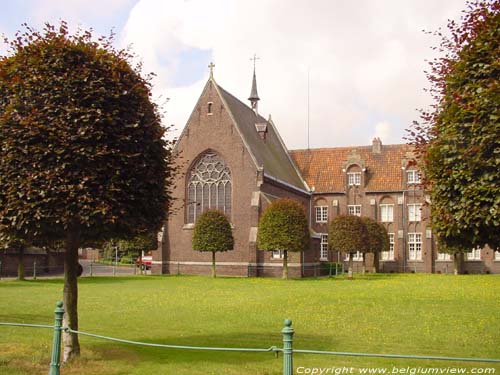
389, 255
354, 209
415, 246
358, 257
443, 257
354, 178
278, 254
412, 177
415, 212
321, 214
324, 247
387, 213
474, 254
497, 255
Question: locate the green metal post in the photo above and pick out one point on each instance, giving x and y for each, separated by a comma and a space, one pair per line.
56, 342
34, 270
287, 332
90, 268
178, 270
0, 270
330, 270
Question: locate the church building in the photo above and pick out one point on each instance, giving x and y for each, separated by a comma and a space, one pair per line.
232, 159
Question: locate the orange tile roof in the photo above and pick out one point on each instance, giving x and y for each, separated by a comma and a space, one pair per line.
322, 168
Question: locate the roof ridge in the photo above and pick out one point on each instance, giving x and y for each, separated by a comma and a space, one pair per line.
394, 145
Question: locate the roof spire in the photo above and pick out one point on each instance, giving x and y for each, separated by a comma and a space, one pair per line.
254, 97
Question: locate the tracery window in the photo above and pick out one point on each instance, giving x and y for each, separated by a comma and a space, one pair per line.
209, 187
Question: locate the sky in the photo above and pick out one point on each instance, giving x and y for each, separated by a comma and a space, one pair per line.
330, 72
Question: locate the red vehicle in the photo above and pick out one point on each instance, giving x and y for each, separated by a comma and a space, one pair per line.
144, 262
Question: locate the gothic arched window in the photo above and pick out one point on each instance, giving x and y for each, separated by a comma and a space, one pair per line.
208, 186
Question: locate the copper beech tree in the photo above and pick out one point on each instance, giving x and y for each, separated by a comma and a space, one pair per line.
457, 141
83, 155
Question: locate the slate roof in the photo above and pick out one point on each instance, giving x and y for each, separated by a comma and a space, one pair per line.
271, 153
322, 168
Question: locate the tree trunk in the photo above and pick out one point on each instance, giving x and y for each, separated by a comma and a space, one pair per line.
70, 295
363, 268
458, 262
20, 264
213, 264
285, 264
349, 272
376, 263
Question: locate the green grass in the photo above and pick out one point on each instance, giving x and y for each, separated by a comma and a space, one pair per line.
406, 314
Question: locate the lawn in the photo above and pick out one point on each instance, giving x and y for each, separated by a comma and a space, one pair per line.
407, 314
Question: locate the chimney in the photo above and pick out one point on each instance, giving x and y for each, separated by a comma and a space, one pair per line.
376, 145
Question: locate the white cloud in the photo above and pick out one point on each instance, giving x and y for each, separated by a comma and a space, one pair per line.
383, 130
366, 60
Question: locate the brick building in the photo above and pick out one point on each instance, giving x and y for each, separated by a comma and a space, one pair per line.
233, 159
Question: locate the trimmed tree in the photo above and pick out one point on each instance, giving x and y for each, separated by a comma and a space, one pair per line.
348, 234
212, 232
457, 141
284, 227
83, 154
378, 240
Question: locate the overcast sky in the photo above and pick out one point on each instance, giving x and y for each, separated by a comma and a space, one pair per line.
365, 59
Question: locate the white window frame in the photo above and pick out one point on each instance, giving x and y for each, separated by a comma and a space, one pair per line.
389, 255
443, 257
497, 255
354, 178
413, 176
354, 209
358, 257
277, 254
323, 253
415, 246
321, 214
414, 212
474, 254
386, 213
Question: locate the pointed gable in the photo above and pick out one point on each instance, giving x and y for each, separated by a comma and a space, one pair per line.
270, 153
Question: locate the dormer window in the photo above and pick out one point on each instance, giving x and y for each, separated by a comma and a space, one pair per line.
209, 108
354, 178
412, 177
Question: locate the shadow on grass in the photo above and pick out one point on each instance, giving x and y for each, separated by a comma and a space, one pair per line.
106, 349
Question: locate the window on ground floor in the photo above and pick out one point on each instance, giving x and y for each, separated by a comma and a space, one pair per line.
443, 256
358, 256
474, 254
324, 247
278, 254
389, 255
415, 246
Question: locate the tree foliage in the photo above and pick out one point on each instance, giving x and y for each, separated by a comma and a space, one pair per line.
283, 227
457, 142
83, 154
212, 232
378, 238
348, 234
